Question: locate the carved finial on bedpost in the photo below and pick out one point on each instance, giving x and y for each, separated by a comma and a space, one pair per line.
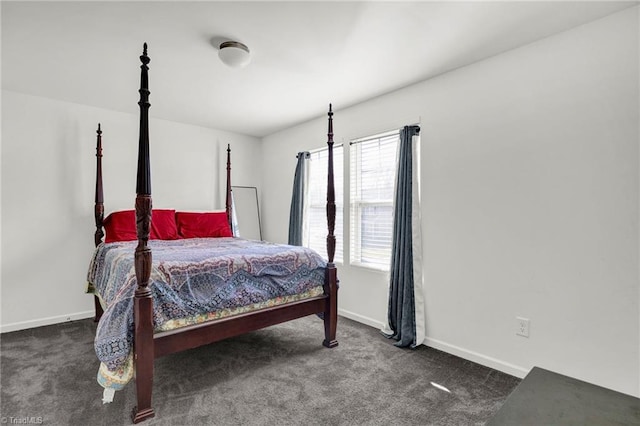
228, 201
143, 184
99, 199
330, 132
143, 302
331, 195
330, 314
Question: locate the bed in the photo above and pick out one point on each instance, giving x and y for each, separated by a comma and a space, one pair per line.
156, 295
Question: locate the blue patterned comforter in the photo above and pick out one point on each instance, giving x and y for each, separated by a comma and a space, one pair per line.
193, 277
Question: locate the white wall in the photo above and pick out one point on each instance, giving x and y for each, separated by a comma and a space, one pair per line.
48, 182
529, 203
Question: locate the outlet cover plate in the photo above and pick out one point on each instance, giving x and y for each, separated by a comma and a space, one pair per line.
522, 326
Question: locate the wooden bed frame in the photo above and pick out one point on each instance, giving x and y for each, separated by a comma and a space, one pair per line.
149, 345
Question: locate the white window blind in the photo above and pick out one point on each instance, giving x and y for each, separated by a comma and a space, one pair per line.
373, 171
316, 207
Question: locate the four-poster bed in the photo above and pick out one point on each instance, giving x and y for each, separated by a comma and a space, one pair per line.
137, 289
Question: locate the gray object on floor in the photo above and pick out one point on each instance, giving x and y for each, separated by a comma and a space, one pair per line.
548, 398
280, 375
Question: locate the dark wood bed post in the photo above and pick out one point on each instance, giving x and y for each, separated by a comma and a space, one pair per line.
143, 302
98, 210
331, 278
99, 207
228, 203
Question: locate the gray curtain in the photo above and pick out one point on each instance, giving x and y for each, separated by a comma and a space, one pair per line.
297, 200
401, 313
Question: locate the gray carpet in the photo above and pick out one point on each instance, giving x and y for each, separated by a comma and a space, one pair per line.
278, 376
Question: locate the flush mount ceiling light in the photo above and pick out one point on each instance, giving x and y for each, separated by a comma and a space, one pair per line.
234, 54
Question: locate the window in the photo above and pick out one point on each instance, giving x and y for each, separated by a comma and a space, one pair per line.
316, 208
372, 181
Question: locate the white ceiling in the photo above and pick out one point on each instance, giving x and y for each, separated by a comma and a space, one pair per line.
304, 54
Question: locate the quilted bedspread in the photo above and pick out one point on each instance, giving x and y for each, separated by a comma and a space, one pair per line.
193, 280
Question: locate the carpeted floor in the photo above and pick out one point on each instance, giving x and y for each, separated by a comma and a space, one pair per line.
278, 376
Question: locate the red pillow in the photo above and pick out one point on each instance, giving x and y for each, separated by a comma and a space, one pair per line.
163, 225
203, 225
121, 226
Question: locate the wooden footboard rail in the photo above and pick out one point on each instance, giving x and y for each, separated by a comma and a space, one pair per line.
148, 346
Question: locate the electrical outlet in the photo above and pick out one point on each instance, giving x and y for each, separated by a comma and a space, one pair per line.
522, 326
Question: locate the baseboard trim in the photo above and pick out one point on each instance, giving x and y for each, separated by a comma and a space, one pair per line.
478, 358
360, 318
23, 325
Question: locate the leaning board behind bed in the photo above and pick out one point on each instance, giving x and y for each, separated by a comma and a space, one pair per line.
149, 343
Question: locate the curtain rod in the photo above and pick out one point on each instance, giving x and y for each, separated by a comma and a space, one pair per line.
307, 154
382, 135
335, 145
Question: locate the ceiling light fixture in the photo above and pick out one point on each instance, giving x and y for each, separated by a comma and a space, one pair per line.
234, 54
